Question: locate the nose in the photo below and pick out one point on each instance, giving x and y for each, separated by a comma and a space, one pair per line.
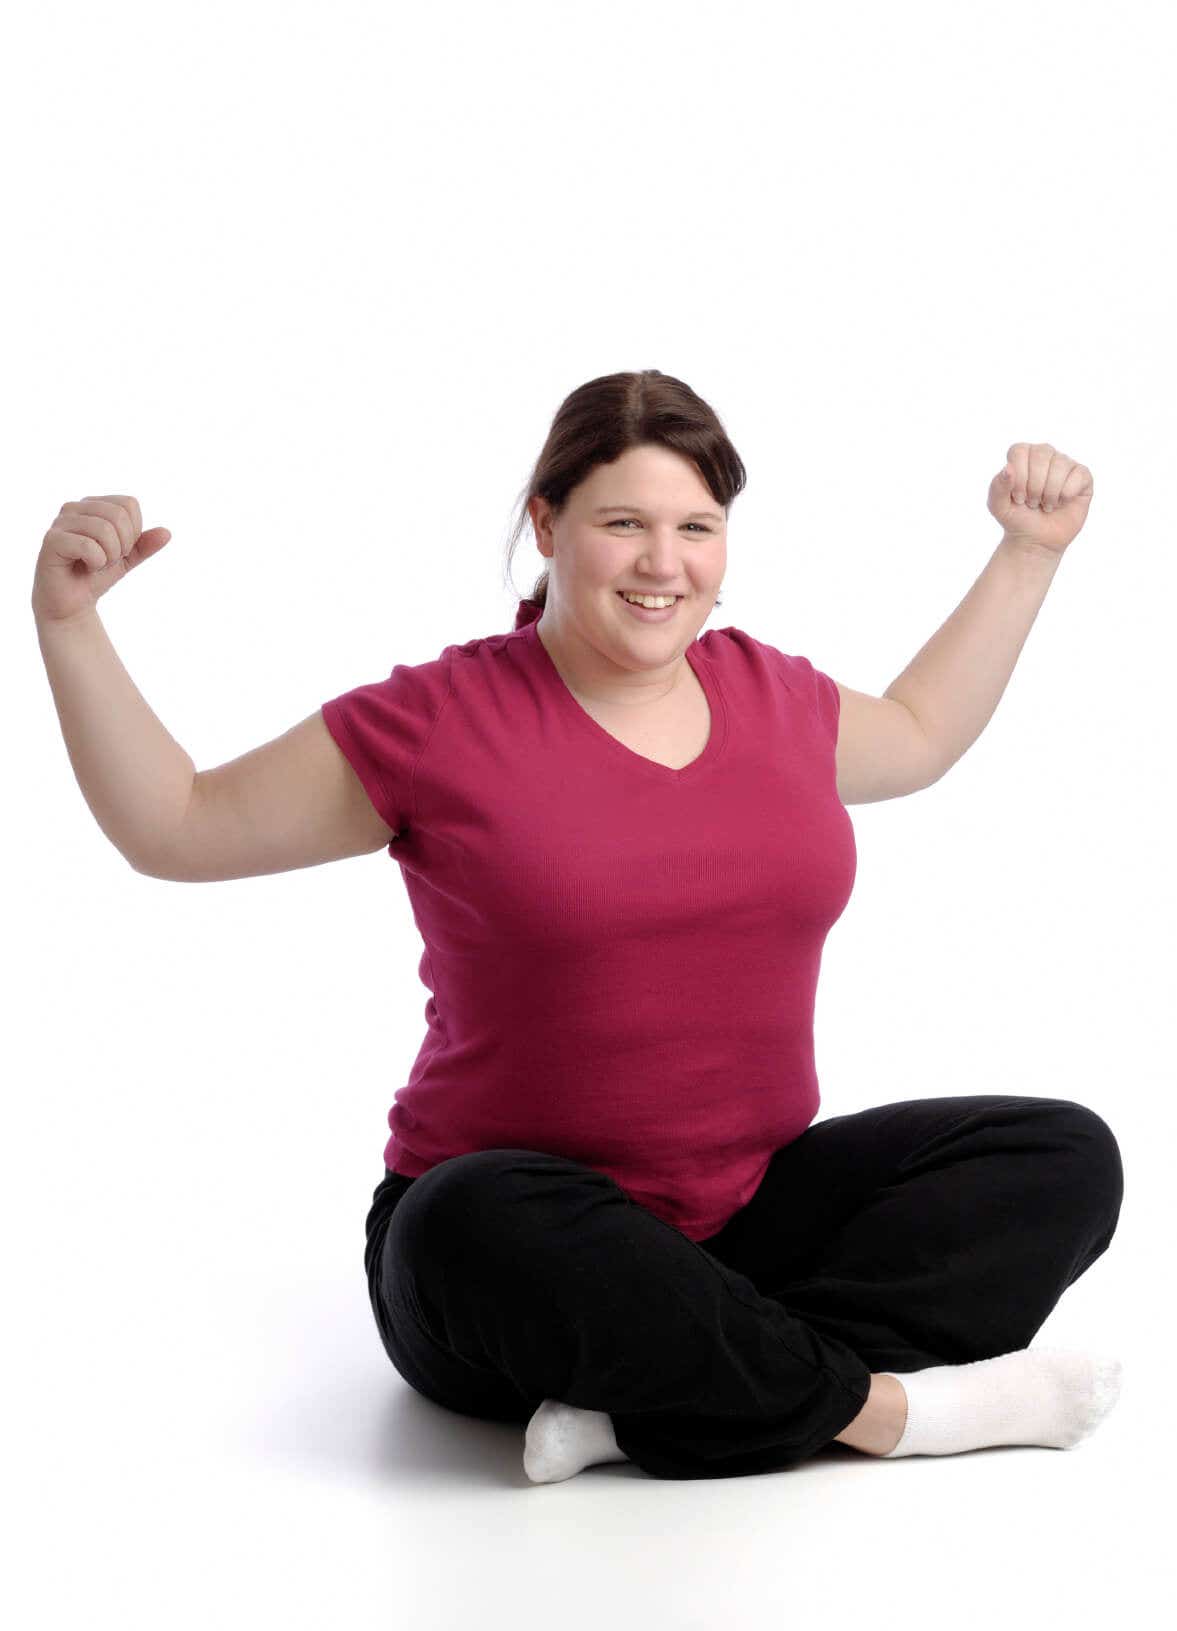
660, 558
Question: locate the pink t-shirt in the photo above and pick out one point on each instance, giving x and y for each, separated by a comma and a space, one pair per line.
621, 958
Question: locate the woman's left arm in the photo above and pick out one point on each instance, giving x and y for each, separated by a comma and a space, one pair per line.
954, 683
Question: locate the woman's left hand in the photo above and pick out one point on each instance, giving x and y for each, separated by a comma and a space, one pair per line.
1040, 496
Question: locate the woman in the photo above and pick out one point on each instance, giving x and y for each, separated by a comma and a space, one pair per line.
607, 1211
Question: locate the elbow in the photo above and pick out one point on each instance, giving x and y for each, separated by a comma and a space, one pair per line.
151, 868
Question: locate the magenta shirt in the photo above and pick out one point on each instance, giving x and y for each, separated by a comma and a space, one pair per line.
621, 959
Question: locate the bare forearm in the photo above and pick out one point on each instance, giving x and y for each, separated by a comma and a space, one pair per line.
136, 778
954, 683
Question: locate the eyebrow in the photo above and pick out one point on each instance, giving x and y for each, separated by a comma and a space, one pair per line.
604, 509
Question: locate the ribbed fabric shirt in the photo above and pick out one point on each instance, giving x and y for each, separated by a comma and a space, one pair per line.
621, 958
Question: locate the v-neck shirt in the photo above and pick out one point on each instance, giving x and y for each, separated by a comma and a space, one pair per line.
621, 958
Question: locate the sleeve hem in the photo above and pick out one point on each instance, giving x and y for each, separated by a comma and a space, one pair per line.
365, 768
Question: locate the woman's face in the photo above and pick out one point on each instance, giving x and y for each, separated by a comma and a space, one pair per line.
645, 522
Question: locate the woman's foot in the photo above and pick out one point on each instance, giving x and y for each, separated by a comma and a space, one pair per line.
562, 1439
1054, 1397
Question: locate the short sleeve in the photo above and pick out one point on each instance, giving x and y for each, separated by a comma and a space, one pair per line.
821, 692
815, 690
383, 730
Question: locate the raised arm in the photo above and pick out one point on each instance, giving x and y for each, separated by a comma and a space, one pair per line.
295, 802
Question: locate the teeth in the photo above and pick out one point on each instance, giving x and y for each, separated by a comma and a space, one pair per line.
651, 602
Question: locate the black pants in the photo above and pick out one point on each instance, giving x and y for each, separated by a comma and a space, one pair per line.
928, 1232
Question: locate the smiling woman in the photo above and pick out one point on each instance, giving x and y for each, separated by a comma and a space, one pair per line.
624, 845
657, 566
594, 427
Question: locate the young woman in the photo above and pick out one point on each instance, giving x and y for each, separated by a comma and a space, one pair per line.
607, 1211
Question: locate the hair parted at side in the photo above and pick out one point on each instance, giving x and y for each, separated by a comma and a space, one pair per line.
603, 419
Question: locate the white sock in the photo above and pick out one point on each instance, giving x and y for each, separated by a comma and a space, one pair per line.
561, 1439
1048, 1396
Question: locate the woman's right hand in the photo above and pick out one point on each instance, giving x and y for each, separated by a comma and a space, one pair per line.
91, 546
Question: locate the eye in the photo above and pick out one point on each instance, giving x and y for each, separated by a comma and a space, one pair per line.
623, 520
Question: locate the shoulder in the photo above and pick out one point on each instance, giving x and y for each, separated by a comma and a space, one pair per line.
736, 649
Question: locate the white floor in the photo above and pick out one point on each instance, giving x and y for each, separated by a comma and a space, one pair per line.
195, 1439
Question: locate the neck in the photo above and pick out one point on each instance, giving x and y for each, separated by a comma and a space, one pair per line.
589, 675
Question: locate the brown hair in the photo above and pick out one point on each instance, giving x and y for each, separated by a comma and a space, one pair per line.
603, 419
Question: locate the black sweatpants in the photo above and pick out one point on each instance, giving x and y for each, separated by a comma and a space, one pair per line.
927, 1232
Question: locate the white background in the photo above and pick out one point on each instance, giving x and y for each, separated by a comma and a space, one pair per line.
310, 282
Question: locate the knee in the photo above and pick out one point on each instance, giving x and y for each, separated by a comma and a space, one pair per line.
1095, 1154
463, 1189
480, 1196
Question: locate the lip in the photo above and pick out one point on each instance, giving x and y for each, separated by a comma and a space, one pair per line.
662, 615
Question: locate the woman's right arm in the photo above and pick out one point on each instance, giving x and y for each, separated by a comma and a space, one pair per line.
137, 780
295, 802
